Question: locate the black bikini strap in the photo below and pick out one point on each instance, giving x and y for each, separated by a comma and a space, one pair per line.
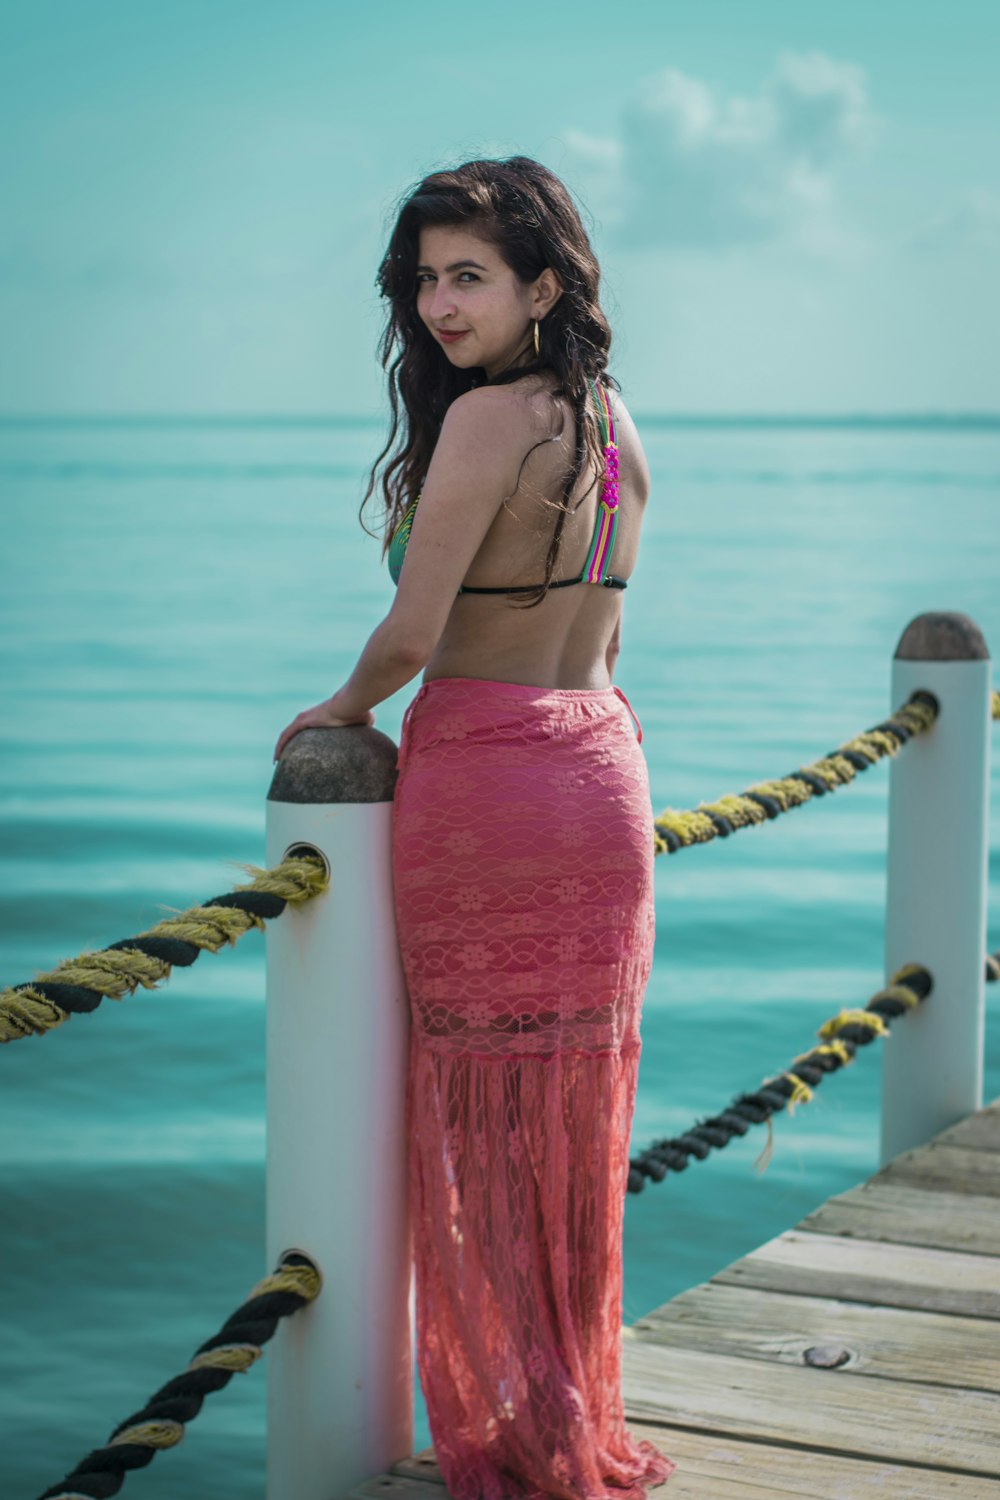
609, 581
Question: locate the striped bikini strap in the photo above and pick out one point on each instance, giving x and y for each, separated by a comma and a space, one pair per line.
595, 569
604, 414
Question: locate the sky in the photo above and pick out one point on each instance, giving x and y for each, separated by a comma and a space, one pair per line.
796, 205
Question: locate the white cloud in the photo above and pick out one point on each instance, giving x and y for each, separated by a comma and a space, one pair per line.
974, 223
821, 107
695, 168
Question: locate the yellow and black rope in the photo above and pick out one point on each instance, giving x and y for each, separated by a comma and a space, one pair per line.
160, 1423
80, 984
842, 1035
674, 830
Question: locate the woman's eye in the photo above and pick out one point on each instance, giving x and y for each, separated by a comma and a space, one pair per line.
425, 275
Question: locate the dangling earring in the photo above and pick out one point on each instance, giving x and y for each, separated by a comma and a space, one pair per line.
537, 348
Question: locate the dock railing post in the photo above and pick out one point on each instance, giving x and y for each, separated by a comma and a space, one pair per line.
932, 1063
340, 1373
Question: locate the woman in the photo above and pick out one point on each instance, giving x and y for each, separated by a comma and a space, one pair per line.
522, 827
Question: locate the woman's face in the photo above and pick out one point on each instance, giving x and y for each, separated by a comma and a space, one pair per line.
464, 285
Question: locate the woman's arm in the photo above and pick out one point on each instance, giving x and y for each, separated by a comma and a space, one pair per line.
473, 470
386, 664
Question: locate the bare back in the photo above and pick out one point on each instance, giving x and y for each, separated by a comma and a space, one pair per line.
570, 639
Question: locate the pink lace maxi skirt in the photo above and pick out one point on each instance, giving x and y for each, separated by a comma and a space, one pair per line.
522, 869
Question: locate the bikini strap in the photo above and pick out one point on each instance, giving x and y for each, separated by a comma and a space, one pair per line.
602, 544
604, 414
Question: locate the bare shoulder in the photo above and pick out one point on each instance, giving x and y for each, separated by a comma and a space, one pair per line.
493, 425
501, 406
481, 444
493, 418
490, 427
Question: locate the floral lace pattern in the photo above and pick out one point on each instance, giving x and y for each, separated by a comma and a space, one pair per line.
523, 881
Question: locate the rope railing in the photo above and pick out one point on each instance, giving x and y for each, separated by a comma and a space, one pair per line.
674, 830
80, 984
160, 1423
849, 1029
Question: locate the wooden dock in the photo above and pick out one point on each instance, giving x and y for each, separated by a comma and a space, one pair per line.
855, 1356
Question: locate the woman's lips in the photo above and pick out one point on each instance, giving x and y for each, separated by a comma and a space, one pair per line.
449, 338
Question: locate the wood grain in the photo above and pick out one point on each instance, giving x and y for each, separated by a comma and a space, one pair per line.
979, 1131
854, 1357
953, 1169
908, 1215
899, 1421
876, 1272
711, 1467
892, 1344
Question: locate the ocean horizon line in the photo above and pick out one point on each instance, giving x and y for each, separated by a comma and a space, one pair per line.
984, 421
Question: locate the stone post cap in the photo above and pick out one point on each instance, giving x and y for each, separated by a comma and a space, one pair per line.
348, 763
942, 635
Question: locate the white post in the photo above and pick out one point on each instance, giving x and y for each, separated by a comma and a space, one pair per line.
932, 1063
340, 1372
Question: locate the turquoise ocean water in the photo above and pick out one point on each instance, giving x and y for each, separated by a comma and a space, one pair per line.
174, 592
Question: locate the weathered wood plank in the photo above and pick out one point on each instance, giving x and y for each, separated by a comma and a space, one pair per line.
909, 1215
953, 1169
887, 1342
422, 1465
715, 1467
394, 1486
871, 1272
978, 1132
904, 1272
857, 1416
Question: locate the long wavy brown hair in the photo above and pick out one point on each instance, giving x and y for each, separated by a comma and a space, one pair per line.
524, 210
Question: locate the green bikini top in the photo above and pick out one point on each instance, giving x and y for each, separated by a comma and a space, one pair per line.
595, 569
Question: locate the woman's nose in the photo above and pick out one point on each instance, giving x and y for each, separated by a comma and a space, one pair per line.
442, 303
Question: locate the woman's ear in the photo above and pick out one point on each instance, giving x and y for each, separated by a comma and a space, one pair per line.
548, 290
